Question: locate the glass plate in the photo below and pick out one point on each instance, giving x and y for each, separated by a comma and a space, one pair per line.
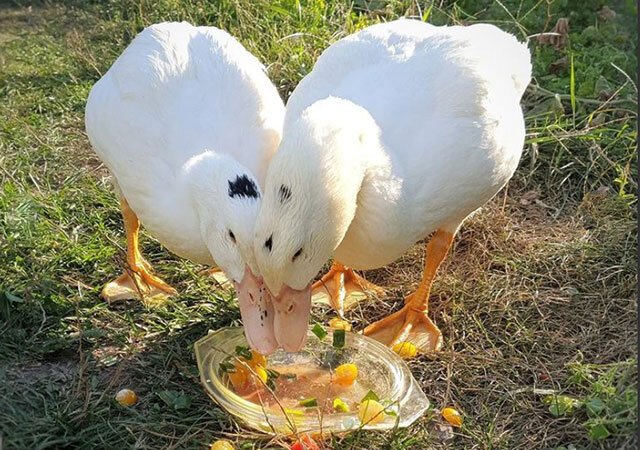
380, 370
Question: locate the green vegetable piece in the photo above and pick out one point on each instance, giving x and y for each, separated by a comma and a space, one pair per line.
319, 331
290, 376
339, 337
245, 352
340, 406
226, 367
309, 402
273, 373
370, 396
271, 384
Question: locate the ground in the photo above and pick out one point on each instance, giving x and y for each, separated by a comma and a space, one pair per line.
537, 298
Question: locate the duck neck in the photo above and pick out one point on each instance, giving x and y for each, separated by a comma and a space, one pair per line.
345, 146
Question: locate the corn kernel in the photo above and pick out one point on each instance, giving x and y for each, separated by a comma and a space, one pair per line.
240, 377
338, 324
222, 444
346, 374
405, 349
370, 412
262, 374
452, 416
257, 359
126, 397
340, 406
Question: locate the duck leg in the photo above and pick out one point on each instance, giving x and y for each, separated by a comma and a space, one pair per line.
412, 322
137, 281
339, 282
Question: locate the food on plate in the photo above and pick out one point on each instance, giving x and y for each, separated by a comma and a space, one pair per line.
370, 412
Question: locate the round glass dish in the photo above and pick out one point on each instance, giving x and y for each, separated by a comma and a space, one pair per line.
379, 370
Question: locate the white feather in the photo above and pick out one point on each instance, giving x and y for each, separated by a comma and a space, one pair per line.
399, 129
180, 111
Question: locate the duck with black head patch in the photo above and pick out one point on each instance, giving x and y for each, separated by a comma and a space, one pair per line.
186, 120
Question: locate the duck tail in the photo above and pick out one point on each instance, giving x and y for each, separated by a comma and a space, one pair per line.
519, 61
499, 50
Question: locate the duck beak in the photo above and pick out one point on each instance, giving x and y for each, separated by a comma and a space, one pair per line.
291, 322
256, 309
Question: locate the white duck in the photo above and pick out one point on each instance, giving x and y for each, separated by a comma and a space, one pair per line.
186, 120
401, 130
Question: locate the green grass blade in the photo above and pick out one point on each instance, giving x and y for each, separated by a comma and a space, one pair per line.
572, 87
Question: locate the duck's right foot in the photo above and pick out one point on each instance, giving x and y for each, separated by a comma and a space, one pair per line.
341, 283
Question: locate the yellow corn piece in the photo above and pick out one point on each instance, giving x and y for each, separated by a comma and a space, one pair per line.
222, 444
370, 412
346, 374
452, 416
405, 349
257, 359
295, 412
126, 397
338, 324
240, 377
340, 406
262, 374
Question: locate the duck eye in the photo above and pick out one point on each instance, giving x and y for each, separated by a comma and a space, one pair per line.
232, 236
296, 254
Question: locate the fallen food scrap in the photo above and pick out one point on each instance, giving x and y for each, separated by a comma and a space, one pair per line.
306, 442
452, 416
222, 444
126, 397
405, 349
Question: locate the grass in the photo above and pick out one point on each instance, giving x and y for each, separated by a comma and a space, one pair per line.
537, 299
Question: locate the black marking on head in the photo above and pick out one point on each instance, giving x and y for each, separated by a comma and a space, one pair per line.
269, 243
284, 193
232, 236
296, 254
243, 186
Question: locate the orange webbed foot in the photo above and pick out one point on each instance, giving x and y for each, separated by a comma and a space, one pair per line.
344, 287
409, 324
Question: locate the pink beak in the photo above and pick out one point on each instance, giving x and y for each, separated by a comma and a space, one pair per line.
291, 321
256, 309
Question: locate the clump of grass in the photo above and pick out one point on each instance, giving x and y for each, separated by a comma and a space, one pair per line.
606, 400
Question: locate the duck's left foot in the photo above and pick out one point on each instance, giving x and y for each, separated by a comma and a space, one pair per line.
410, 324
344, 287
